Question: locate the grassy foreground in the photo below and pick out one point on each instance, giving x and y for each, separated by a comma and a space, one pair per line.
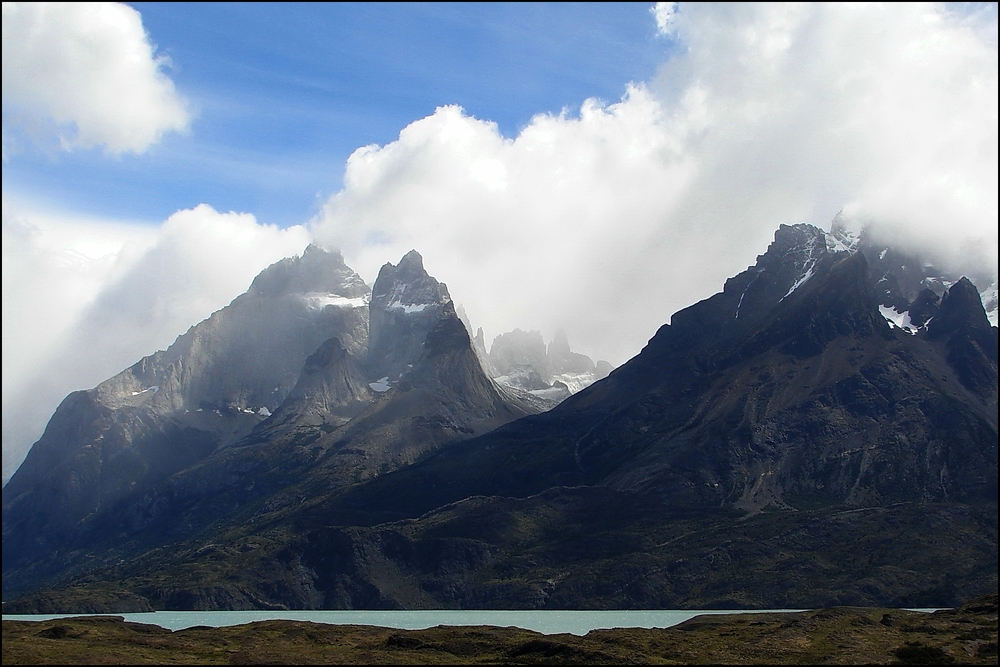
842, 635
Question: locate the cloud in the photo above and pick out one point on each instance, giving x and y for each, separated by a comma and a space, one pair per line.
607, 222
664, 14
88, 74
889, 111
526, 232
83, 300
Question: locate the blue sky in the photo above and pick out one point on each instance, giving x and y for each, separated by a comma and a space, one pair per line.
284, 93
590, 167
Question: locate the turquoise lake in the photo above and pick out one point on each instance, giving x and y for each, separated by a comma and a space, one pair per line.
546, 622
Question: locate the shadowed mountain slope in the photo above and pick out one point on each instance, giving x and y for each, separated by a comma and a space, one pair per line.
134, 464
786, 389
175, 407
781, 432
779, 444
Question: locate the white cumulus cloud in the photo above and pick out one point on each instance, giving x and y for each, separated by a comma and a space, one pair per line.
526, 231
886, 110
88, 73
664, 14
607, 222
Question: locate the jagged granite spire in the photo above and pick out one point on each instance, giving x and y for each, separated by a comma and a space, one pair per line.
406, 304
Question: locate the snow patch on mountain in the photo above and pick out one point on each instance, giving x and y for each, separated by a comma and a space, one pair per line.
408, 307
898, 320
574, 381
989, 297
808, 264
381, 385
937, 283
318, 301
557, 392
801, 281
743, 295
841, 238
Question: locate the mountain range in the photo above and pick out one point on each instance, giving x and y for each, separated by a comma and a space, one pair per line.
822, 431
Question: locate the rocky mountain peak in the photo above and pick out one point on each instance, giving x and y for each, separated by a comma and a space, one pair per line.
796, 249
205, 392
962, 326
315, 272
843, 234
798, 254
961, 308
522, 362
563, 360
923, 308
520, 359
448, 334
408, 285
406, 305
411, 261
331, 389
800, 236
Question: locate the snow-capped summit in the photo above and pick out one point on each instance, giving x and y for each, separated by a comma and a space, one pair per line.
844, 236
407, 286
908, 288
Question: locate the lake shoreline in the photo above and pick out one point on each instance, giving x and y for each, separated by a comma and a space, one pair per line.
546, 622
845, 635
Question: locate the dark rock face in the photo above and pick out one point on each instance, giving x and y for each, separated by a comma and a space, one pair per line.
924, 307
280, 383
778, 444
332, 389
762, 396
177, 406
787, 397
962, 326
406, 304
